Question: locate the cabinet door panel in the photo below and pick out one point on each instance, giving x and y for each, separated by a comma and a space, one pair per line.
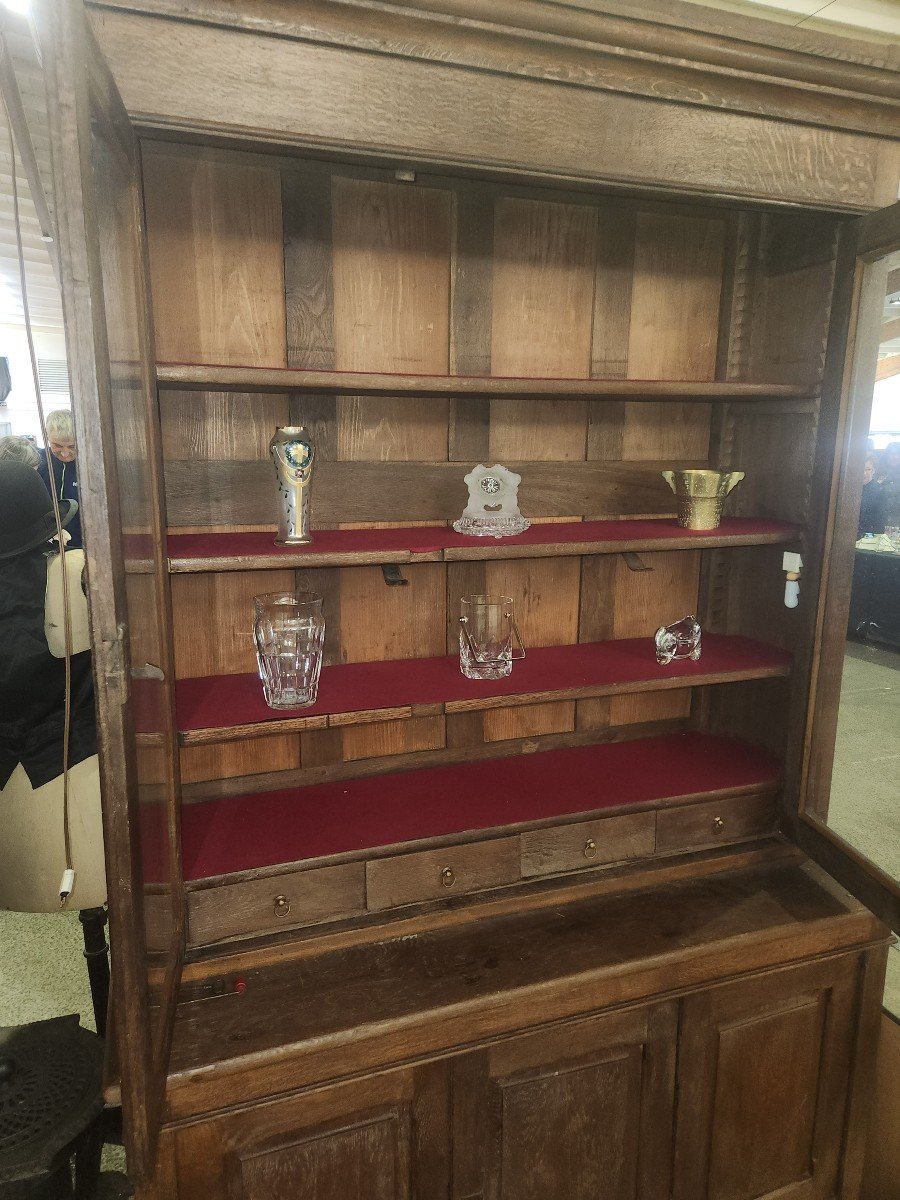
763, 1080
367, 1159
579, 1111
380, 1137
99, 211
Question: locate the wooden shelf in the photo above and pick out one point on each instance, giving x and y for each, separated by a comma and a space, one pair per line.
220, 708
250, 832
216, 378
191, 552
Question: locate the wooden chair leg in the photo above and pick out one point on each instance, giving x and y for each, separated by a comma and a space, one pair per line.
96, 951
87, 1161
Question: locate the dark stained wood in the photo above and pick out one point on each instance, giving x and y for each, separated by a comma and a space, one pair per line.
437, 874
883, 1141
357, 492
879, 233
594, 953
648, 34
488, 257
549, 1094
186, 376
367, 1159
571, 132
275, 902
774, 1053
99, 229
719, 820
470, 317
584, 843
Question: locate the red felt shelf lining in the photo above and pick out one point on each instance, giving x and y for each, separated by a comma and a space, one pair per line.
238, 833
224, 701
436, 539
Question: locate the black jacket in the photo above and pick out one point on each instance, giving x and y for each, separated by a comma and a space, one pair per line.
65, 478
33, 682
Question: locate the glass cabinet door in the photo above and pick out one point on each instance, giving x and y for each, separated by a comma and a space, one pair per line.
851, 797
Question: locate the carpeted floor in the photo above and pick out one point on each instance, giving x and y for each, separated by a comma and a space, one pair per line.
43, 974
865, 790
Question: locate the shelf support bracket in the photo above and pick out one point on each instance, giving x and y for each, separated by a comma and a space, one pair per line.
634, 562
392, 576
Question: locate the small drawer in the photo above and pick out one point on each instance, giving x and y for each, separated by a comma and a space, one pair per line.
276, 902
705, 824
436, 874
588, 843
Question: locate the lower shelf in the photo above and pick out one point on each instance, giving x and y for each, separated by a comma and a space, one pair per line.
235, 834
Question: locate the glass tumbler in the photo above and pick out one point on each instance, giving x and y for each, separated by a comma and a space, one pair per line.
289, 630
489, 639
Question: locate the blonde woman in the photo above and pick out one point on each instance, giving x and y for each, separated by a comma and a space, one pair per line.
59, 470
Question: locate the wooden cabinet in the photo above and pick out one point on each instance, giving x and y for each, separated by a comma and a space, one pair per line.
746, 1085
426, 938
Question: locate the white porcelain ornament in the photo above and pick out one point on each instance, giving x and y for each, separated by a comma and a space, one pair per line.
493, 508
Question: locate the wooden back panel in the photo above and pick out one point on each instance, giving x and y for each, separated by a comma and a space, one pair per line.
434, 275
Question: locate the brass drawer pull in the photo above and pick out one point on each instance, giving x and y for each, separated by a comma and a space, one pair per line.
448, 877
718, 824
282, 906
590, 848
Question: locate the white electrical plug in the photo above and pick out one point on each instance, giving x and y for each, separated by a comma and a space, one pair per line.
66, 886
792, 565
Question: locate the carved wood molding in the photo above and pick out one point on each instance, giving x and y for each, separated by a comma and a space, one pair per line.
667, 51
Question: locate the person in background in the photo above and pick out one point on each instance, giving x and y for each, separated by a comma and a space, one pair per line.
32, 708
59, 470
889, 479
19, 449
871, 508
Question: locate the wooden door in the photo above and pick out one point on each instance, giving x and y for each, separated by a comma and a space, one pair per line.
764, 1071
379, 1137
576, 1112
99, 208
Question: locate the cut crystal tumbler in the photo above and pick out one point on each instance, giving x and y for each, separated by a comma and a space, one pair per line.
289, 630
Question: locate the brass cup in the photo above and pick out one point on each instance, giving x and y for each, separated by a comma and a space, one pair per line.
700, 495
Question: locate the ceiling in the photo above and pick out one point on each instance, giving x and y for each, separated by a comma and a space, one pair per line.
43, 291
872, 20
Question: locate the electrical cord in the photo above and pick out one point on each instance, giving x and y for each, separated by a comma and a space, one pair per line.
67, 882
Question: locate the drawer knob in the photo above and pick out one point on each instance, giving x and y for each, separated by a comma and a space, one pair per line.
718, 824
590, 848
282, 906
448, 877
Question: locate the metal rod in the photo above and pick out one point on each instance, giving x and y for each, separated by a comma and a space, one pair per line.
9, 86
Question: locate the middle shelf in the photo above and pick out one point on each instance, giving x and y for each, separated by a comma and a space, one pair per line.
218, 708
246, 550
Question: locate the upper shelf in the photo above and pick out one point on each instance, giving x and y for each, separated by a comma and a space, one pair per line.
191, 552
216, 378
